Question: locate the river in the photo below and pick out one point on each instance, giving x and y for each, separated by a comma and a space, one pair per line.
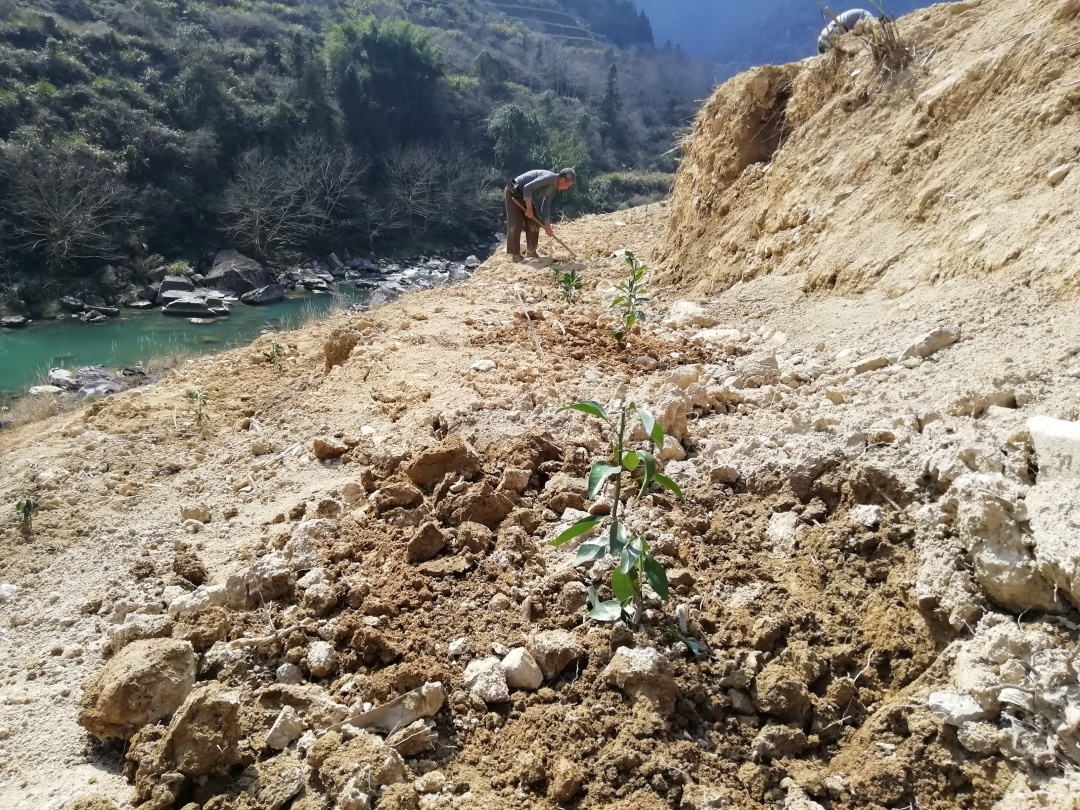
26, 355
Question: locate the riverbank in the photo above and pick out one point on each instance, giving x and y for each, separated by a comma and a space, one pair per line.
146, 340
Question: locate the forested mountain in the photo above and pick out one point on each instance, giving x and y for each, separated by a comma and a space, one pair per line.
735, 35
144, 129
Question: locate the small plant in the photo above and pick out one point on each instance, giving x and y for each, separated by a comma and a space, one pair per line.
626, 467
274, 353
198, 401
26, 509
631, 297
569, 284
891, 54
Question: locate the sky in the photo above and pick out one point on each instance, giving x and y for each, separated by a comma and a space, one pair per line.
736, 35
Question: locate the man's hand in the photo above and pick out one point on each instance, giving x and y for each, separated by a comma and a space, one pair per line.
529, 210
548, 231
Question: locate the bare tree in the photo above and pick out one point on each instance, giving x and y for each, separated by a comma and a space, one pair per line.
65, 207
435, 188
282, 201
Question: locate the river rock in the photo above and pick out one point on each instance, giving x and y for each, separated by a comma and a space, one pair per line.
237, 272
144, 683
191, 306
62, 377
140, 303
472, 262
108, 312
92, 316
71, 303
44, 390
13, 321
264, 295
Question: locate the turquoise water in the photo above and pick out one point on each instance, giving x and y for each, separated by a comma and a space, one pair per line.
27, 354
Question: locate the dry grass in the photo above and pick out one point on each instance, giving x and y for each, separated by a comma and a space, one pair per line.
891, 54
27, 410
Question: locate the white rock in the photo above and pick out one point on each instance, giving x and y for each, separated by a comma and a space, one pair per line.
989, 510
44, 390
932, 342
866, 515
956, 708
483, 365
321, 659
718, 337
289, 674
431, 782
672, 450
522, 671
487, 678
782, 532
1057, 446
352, 797
287, 727
688, 313
872, 364
1058, 173
316, 576
458, 646
300, 549
685, 376
61, 377
8, 592
1052, 506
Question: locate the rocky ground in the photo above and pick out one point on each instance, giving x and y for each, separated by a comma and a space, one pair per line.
363, 523
329, 587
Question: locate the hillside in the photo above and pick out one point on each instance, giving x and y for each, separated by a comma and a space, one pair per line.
144, 134
326, 580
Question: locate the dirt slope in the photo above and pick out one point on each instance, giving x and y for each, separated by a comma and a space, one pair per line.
877, 551
822, 168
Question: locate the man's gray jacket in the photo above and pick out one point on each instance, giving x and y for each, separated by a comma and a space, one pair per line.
538, 186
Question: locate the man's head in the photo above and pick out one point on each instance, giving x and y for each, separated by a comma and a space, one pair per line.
567, 178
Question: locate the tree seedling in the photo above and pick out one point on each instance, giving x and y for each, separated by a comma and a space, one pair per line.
569, 284
626, 469
198, 401
274, 353
26, 509
631, 297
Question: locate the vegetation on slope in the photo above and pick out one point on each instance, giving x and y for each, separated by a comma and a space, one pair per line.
131, 131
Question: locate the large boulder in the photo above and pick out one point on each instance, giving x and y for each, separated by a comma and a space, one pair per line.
14, 321
204, 735
145, 683
177, 283
234, 271
71, 303
1052, 505
269, 294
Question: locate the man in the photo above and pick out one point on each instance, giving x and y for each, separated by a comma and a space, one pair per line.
841, 25
532, 189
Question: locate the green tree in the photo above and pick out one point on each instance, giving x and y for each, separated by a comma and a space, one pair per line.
611, 105
517, 138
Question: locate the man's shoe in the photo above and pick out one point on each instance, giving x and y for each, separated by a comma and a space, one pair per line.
515, 257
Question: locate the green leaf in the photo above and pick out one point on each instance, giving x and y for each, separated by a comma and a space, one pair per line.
599, 475
648, 461
622, 587
656, 577
630, 460
579, 528
630, 555
655, 431
589, 552
617, 537
606, 612
588, 406
668, 484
